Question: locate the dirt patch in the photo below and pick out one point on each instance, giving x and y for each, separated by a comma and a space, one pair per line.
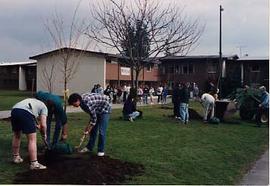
80, 170
193, 114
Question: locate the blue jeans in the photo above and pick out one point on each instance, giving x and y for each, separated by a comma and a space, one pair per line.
57, 128
184, 115
145, 98
134, 114
101, 127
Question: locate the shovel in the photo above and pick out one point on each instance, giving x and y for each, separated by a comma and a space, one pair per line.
81, 140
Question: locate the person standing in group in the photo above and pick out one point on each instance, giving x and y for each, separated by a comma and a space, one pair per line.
196, 91
151, 95
109, 92
99, 89
184, 101
159, 94
55, 107
145, 94
140, 95
175, 101
263, 107
24, 115
208, 102
99, 108
164, 94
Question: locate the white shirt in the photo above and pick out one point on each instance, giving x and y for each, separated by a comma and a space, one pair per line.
207, 99
34, 106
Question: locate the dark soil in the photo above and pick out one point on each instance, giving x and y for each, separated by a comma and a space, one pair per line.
193, 114
80, 170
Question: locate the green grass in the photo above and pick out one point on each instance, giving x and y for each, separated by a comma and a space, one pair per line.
172, 153
11, 97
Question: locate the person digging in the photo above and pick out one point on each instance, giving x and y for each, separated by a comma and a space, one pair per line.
55, 107
24, 115
99, 108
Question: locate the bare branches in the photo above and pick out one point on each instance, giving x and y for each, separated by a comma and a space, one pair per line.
66, 37
165, 28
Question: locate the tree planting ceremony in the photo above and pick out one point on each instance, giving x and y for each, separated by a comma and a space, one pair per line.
134, 92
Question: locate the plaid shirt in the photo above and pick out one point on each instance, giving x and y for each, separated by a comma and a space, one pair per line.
93, 104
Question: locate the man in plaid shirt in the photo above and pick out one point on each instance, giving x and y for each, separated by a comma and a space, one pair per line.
99, 108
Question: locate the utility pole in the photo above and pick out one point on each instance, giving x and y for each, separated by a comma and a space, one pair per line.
220, 49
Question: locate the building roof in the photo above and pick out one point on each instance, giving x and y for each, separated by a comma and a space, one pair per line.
22, 63
229, 57
253, 58
38, 56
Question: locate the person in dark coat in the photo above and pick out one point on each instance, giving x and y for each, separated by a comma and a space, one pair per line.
175, 101
129, 110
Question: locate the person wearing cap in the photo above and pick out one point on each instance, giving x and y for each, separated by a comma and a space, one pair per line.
98, 106
55, 108
24, 119
263, 107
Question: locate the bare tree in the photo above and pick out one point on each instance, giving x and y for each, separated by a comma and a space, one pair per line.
48, 76
166, 29
67, 39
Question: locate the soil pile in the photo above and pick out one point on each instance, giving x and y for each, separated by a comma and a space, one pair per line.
81, 170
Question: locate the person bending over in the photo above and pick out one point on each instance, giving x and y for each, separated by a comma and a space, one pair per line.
24, 117
99, 108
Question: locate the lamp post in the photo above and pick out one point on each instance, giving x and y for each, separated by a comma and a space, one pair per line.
220, 47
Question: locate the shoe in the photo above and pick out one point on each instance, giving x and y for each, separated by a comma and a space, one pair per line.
100, 154
37, 166
130, 119
84, 150
17, 159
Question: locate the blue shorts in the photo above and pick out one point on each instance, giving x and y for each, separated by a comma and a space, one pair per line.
21, 120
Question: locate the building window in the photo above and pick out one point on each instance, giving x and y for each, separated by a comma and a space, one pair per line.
148, 68
163, 70
211, 68
171, 69
185, 69
177, 69
255, 68
190, 69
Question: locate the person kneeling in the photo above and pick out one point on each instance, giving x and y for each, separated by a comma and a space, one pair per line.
129, 110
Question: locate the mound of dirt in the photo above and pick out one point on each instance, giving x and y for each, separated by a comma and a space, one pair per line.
193, 114
80, 170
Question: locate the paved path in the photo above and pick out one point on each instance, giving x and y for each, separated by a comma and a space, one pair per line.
259, 174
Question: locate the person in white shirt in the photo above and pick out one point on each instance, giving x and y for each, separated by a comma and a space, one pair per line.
208, 102
24, 119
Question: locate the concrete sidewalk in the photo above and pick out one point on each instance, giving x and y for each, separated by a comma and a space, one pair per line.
259, 174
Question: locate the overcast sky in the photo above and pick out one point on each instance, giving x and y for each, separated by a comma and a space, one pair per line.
245, 25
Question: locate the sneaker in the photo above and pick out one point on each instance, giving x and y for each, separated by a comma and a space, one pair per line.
100, 154
17, 159
37, 166
130, 119
84, 150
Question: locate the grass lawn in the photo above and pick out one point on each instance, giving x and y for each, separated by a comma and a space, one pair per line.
172, 153
11, 97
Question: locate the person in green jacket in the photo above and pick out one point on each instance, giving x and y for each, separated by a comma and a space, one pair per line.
55, 108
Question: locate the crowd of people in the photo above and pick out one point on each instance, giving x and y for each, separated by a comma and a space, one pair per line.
145, 93
32, 114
